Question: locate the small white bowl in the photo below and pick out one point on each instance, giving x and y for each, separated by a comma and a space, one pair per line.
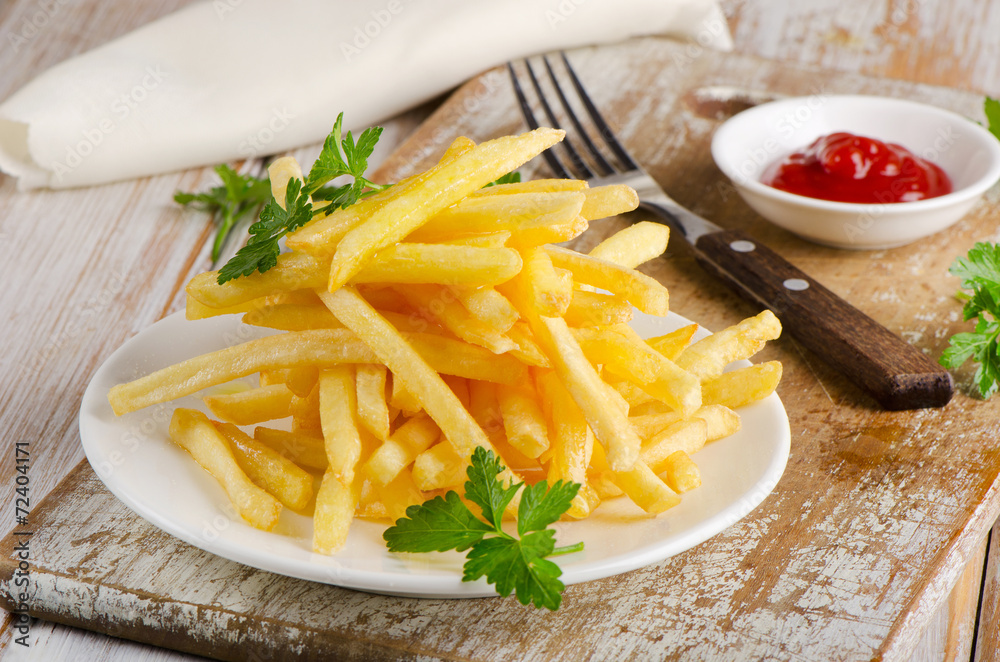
750, 141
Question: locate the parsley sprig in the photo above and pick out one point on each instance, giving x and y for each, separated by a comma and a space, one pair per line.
511, 563
992, 109
341, 155
980, 274
262, 249
238, 196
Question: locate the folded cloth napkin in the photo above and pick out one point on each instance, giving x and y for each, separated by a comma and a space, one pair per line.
230, 79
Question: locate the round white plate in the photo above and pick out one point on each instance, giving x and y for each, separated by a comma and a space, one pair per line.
134, 457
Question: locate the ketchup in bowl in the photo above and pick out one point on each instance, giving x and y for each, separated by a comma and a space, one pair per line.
847, 168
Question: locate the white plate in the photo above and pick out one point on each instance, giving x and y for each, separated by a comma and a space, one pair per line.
161, 483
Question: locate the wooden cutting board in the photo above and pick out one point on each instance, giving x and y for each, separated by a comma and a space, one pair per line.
848, 558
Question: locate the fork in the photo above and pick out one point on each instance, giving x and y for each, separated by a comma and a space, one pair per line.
896, 374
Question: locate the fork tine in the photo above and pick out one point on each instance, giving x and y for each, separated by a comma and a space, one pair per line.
529, 117
567, 144
595, 116
599, 159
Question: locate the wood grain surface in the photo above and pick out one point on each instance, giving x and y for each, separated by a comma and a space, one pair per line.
94, 266
849, 558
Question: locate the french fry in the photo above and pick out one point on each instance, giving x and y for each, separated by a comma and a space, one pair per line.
532, 186
256, 405
301, 380
643, 292
523, 421
635, 396
407, 365
305, 412
338, 413
280, 172
551, 233
294, 271
512, 213
321, 348
548, 290
196, 310
741, 387
440, 263
192, 431
485, 240
618, 353
685, 435
640, 484
527, 352
403, 399
681, 473
335, 506
269, 469
373, 410
439, 304
709, 356
607, 421
597, 309
634, 245
673, 343
326, 231
439, 467
438, 188
303, 448
459, 358
611, 200
398, 452
399, 494
488, 306
572, 440
324, 348
292, 317
672, 385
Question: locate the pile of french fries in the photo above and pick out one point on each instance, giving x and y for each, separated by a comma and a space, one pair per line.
437, 316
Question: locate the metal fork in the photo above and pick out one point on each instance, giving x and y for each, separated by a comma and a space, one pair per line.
895, 373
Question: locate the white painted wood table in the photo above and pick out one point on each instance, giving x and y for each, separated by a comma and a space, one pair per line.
94, 266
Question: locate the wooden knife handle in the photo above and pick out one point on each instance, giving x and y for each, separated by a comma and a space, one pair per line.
895, 373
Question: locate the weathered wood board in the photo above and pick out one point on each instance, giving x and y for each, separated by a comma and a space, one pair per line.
848, 559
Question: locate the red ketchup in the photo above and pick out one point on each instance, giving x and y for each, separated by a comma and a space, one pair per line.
848, 168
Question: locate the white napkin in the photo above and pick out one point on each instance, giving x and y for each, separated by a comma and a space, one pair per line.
230, 79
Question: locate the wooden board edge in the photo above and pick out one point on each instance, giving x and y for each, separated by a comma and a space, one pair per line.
906, 632
145, 618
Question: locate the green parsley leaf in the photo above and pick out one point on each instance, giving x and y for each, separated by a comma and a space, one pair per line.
261, 251
542, 505
509, 178
980, 273
992, 109
340, 156
238, 196
518, 566
343, 156
485, 490
437, 526
511, 564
